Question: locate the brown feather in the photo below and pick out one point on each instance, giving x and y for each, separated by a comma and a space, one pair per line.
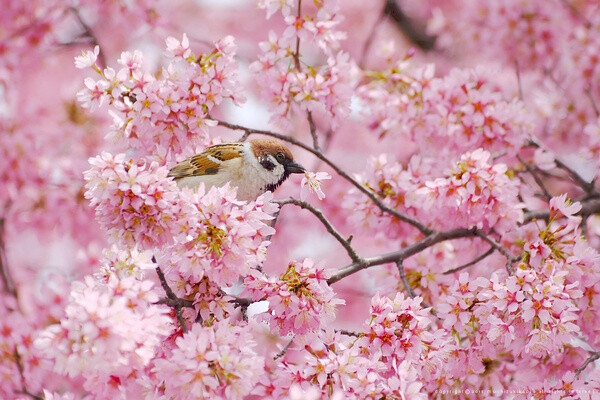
207, 162
261, 147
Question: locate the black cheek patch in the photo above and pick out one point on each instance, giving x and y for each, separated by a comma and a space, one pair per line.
267, 164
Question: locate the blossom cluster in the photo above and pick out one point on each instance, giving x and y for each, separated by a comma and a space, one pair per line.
216, 362
473, 193
367, 366
463, 109
300, 300
111, 329
287, 78
224, 237
168, 114
134, 202
529, 32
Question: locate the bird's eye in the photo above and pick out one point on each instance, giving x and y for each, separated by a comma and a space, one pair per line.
280, 157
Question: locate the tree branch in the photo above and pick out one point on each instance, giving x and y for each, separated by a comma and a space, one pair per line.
588, 207
284, 350
89, 33
313, 131
467, 265
7, 281
170, 295
585, 185
407, 26
594, 355
372, 196
330, 228
509, 259
407, 286
403, 253
536, 178
24, 389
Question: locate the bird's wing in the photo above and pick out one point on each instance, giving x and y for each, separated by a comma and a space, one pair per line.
208, 162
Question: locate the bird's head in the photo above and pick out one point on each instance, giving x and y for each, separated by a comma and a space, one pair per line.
275, 160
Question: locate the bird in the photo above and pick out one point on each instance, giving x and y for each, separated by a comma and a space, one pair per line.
254, 167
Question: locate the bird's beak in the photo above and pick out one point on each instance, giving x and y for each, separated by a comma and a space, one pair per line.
294, 168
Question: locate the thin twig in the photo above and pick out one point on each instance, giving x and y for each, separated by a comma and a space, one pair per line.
594, 355
297, 51
585, 185
576, 13
407, 286
588, 207
409, 289
350, 333
20, 368
536, 178
407, 26
7, 281
593, 101
509, 258
330, 228
518, 73
372, 196
370, 38
313, 131
467, 265
172, 296
89, 33
284, 350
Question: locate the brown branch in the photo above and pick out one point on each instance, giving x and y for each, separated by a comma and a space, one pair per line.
170, 295
7, 281
20, 368
407, 286
467, 265
330, 228
370, 37
350, 333
593, 101
372, 196
518, 73
536, 178
409, 289
284, 350
313, 131
403, 253
588, 207
509, 258
178, 302
407, 26
594, 355
417, 247
89, 33
574, 175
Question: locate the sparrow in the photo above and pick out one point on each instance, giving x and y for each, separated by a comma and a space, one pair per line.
254, 167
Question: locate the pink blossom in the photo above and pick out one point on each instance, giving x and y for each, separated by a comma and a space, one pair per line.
312, 181
300, 300
564, 206
216, 361
136, 199
220, 238
87, 58
110, 328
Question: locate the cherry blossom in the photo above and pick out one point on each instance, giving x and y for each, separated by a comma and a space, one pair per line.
312, 181
300, 301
